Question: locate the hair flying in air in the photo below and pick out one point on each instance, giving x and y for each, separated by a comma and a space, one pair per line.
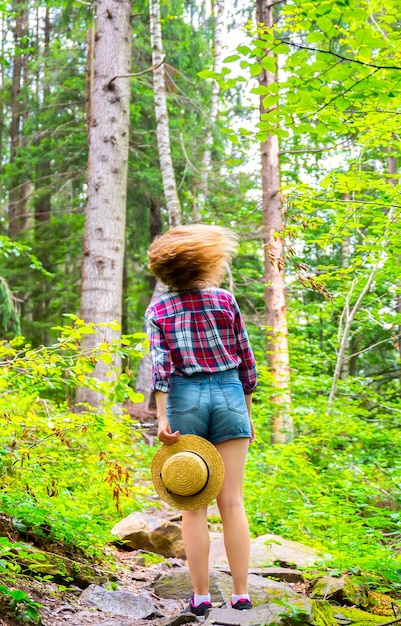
192, 256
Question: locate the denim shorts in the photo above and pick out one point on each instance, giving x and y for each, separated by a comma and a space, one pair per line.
209, 405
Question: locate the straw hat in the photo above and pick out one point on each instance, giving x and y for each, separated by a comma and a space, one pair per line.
188, 474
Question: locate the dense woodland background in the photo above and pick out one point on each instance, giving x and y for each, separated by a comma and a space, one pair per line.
283, 124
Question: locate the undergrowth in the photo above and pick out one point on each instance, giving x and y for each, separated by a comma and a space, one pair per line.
336, 486
68, 476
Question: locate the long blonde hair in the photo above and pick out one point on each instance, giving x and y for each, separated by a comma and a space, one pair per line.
193, 256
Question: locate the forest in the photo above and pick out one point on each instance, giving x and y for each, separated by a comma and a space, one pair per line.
279, 119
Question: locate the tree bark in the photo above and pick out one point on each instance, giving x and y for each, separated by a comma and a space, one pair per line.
19, 188
348, 316
144, 377
219, 11
275, 296
162, 125
345, 257
392, 170
104, 235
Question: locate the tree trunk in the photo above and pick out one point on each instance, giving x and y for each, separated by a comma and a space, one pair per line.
144, 377
219, 10
41, 296
349, 312
104, 236
162, 131
19, 188
345, 257
275, 297
392, 170
43, 169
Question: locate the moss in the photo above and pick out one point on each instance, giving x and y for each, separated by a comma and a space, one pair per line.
355, 593
322, 614
357, 616
151, 558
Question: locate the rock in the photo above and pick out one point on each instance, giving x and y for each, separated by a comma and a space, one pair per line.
63, 569
329, 587
322, 614
265, 549
176, 584
343, 590
120, 603
178, 620
285, 551
278, 573
348, 615
150, 532
272, 613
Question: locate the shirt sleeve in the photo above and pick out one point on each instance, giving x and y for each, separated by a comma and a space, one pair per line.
247, 367
160, 354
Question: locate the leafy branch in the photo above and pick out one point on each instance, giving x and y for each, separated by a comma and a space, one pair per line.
340, 56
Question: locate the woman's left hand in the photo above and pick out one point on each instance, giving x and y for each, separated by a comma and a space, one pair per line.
253, 434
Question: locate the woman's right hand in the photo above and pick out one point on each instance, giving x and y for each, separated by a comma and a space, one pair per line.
164, 433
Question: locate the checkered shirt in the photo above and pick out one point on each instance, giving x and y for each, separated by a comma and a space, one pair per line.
198, 331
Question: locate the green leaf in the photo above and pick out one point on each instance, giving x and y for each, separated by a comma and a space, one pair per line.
231, 58
255, 69
269, 63
323, 8
342, 104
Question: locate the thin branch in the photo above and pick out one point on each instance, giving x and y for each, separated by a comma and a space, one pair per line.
378, 343
340, 56
339, 95
149, 69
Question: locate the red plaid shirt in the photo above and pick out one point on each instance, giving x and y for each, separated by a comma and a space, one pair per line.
198, 331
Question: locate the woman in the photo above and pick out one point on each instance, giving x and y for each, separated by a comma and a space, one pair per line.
203, 376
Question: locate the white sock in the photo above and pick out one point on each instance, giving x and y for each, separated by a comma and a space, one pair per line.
242, 596
197, 600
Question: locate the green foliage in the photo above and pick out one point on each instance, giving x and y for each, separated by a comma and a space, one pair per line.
20, 605
65, 472
336, 485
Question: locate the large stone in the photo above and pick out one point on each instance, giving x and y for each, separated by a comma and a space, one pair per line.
285, 551
119, 603
176, 584
152, 533
271, 613
265, 550
278, 573
62, 569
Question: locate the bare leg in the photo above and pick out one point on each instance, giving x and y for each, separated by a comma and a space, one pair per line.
195, 534
230, 502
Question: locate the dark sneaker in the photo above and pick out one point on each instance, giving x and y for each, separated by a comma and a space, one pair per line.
242, 604
201, 609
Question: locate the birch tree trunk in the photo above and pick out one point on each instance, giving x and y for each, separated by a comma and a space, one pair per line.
144, 377
392, 170
345, 257
275, 297
104, 235
349, 312
219, 12
162, 130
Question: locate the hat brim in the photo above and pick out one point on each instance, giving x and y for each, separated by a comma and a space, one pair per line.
213, 460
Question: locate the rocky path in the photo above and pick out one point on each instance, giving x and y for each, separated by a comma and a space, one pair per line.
148, 583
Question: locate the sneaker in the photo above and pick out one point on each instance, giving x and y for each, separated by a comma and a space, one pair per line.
201, 609
242, 604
